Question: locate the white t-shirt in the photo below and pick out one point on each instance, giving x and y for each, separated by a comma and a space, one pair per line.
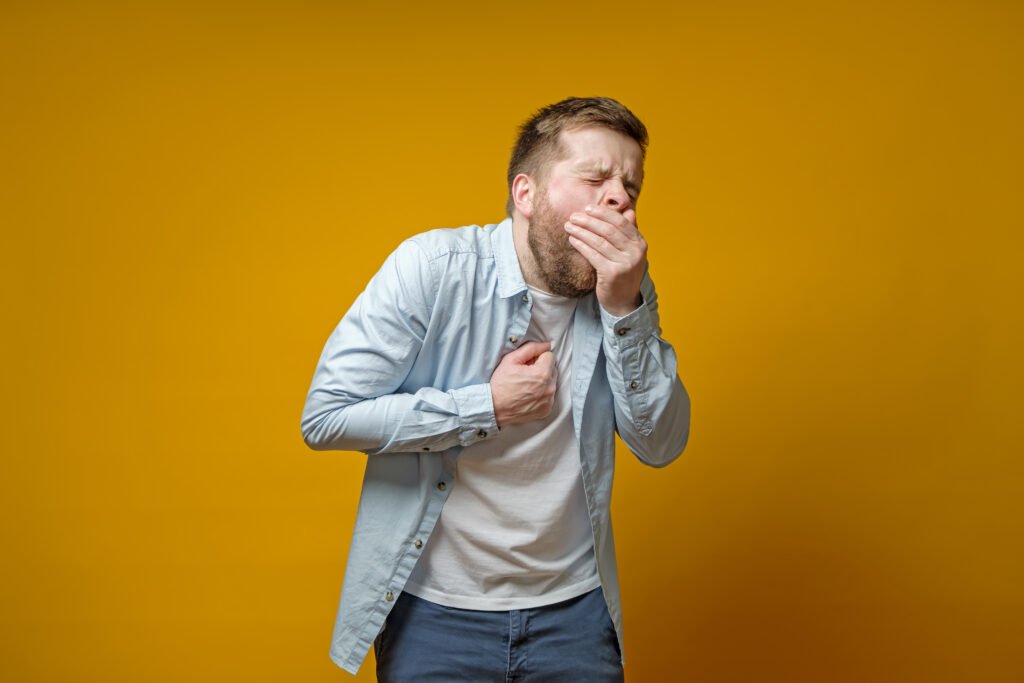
514, 532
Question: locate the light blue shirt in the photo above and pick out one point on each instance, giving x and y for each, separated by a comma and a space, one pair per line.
405, 376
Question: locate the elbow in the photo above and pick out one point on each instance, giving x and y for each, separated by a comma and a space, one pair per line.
682, 437
316, 433
312, 442
674, 425
663, 457
331, 431
313, 438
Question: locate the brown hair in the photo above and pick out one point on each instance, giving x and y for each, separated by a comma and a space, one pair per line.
538, 144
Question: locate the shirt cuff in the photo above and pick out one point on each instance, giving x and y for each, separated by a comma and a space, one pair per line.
628, 330
476, 413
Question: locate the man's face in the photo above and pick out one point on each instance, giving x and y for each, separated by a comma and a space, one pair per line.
600, 167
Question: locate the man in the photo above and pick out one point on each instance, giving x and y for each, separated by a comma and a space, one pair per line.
485, 371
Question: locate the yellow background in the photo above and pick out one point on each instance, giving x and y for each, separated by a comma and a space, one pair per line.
192, 195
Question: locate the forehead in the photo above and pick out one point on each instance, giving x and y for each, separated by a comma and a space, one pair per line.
602, 148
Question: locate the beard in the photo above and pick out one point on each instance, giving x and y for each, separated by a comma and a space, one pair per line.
564, 270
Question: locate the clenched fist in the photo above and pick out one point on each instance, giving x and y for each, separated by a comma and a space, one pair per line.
523, 385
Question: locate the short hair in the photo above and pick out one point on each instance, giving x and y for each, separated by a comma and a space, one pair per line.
538, 144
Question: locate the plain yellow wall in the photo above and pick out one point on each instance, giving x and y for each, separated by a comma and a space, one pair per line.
192, 195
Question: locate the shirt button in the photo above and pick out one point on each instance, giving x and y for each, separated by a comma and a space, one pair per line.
441, 486
513, 339
418, 544
622, 331
526, 299
389, 596
634, 384
482, 434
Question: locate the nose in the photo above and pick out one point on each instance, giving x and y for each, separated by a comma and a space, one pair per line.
615, 195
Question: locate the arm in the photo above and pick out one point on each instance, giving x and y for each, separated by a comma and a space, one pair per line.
652, 407
352, 402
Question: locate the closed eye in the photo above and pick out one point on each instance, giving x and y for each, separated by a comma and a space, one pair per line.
631, 189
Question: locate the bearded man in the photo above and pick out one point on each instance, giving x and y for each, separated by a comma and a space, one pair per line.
485, 372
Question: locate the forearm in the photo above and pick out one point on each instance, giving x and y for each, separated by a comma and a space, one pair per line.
652, 407
656, 428
427, 420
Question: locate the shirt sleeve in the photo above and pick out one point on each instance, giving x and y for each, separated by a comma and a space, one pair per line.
354, 402
652, 407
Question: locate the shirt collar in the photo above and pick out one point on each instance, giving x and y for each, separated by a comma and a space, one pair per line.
510, 274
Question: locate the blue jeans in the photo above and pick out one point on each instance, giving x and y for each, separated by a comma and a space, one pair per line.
568, 641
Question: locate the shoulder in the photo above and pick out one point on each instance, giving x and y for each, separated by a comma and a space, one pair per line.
472, 241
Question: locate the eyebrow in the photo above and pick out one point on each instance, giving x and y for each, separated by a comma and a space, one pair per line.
602, 169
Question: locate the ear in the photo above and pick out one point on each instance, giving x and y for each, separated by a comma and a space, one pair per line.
523, 192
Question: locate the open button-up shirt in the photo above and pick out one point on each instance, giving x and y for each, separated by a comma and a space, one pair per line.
405, 376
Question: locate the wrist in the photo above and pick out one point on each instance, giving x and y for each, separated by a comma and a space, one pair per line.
620, 310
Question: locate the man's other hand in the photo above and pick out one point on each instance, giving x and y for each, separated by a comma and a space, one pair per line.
611, 242
523, 385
